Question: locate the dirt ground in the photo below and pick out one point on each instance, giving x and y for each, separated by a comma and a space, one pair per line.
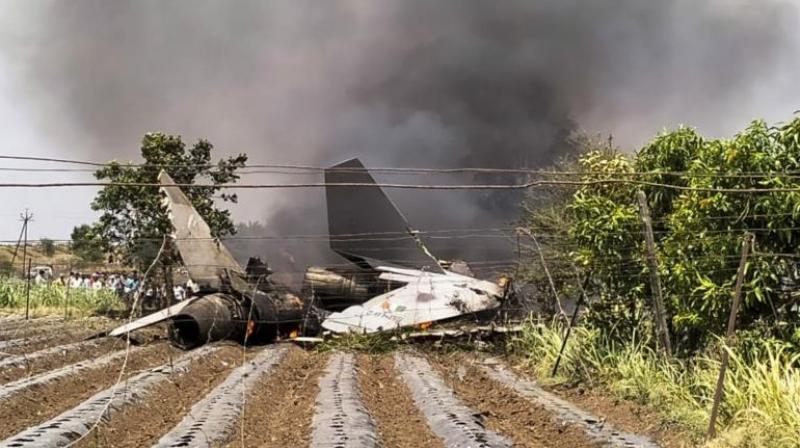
144, 423
10, 325
400, 423
40, 403
279, 411
280, 408
627, 416
504, 411
59, 359
39, 327
45, 337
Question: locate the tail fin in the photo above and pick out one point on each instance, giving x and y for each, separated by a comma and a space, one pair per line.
365, 226
204, 256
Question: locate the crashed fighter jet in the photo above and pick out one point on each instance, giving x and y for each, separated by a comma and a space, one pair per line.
394, 280
232, 303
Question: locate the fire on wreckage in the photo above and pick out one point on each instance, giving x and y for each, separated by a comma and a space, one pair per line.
392, 283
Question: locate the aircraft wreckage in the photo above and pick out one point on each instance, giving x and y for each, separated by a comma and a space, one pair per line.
391, 283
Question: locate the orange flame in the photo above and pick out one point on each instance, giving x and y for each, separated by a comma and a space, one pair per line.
251, 327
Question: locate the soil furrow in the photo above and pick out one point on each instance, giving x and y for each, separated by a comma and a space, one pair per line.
44, 401
167, 403
528, 425
340, 419
279, 411
10, 344
58, 326
400, 423
68, 427
211, 421
596, 428
629, 416
17, 326
38, 342
29, 364
455, 423
10, 389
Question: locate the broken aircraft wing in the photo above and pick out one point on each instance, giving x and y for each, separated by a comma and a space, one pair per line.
204, 256
426, 297
154, 318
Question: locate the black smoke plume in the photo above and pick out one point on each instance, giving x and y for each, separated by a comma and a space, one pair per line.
414, 83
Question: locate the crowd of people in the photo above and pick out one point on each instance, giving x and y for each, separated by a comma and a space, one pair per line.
124, 284
118, 282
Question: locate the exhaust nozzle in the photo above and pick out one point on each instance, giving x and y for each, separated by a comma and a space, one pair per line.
206, 320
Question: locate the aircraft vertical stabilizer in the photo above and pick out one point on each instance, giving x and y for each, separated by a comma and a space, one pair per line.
365, 226
204, 256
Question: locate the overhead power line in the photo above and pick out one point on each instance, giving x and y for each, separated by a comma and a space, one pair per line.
388, 170
519, 186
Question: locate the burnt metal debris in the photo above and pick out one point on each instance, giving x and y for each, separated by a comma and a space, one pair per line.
392, 282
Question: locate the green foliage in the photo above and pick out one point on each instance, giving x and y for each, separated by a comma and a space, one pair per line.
134, 220
706, 229
762, 387
48, 247
87, 243
53, 299
698, 233
603, 226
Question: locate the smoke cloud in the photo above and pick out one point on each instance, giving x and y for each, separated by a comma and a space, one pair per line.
413, 83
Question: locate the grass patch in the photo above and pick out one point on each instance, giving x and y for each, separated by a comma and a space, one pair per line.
762, 387
48, 300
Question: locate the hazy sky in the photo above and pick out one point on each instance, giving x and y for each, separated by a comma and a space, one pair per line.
397, 83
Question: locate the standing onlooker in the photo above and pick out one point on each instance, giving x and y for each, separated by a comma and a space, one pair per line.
179, 292
40, 277
74, 280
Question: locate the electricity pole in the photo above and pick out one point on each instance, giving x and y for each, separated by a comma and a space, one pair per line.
26, 218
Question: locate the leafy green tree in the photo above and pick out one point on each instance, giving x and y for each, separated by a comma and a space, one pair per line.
706, 228
604, 224
699, 221
48, 247
87, 244
134, 220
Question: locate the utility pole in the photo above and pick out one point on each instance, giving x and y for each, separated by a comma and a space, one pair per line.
737, 297
655, 280
26, 218
28, 291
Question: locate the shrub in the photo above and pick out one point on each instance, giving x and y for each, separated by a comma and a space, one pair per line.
762, 386
48, 247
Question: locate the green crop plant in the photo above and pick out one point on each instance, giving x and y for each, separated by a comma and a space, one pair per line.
56, 299
761, 404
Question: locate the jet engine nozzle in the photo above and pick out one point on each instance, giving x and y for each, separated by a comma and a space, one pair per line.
212, 318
